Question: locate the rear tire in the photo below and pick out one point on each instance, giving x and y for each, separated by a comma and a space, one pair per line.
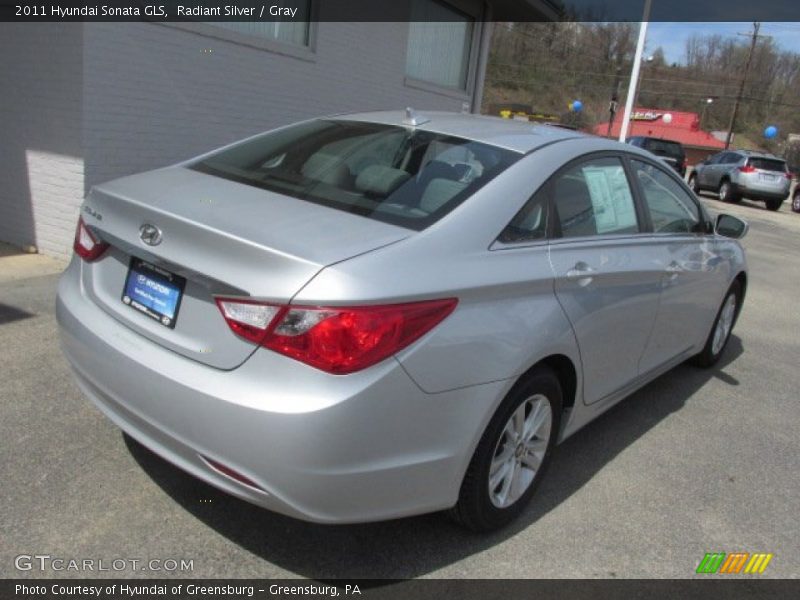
773, 204
514, 451
796, 201
725, 192
721, 331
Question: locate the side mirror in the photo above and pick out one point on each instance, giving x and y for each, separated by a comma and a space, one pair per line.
731, 227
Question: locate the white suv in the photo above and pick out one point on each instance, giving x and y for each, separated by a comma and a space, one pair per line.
734, 174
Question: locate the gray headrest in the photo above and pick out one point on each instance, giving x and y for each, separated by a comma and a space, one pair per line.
380, 180
327, 169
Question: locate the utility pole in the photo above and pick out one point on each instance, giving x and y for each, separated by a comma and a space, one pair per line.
754, 39
612, 106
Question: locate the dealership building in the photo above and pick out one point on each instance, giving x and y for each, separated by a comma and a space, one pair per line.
84, 103
683, 127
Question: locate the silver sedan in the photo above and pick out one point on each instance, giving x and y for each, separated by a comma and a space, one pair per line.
375, 315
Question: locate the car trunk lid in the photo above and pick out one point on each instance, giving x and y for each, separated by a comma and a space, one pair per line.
224, 239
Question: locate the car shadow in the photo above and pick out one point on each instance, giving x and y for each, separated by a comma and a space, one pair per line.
9, 314
412, 547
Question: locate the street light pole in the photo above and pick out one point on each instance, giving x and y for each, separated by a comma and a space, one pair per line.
637, 64
706, 103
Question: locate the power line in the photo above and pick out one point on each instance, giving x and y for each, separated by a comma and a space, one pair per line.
718, 97
754, 39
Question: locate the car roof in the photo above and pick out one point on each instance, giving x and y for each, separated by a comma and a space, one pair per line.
519, 136
757, 154
657, 139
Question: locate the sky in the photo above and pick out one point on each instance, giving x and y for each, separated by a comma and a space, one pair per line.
672, 36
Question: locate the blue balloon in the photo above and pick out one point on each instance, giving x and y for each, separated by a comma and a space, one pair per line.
577, 105
770, 132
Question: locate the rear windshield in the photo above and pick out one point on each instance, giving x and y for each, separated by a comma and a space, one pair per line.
665, 148
394, 174
768, 164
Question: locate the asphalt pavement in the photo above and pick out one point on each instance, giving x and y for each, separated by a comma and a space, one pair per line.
698, 461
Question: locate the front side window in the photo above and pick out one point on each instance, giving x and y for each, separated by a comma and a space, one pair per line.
439, 43
672, 209
594, 198
402, 176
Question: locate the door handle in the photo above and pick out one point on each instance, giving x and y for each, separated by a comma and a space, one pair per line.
582, 273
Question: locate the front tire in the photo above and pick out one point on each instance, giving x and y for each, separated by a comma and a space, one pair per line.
796, 201
721, 331
693, 184
513, 454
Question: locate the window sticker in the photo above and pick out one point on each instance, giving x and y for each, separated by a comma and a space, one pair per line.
611, 198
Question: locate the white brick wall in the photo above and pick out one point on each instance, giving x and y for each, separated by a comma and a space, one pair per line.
41, 165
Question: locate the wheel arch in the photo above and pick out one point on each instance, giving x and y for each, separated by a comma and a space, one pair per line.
567, 375
741, 278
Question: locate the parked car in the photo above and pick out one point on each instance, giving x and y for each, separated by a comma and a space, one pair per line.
377, 315
670, 151
734, 174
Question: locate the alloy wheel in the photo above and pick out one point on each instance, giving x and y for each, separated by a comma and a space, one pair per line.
520, 451
724, 324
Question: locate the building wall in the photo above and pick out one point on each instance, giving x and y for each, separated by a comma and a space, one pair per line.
83, 104
41, 171
156, 94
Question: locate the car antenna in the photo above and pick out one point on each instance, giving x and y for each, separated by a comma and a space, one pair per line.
413, 118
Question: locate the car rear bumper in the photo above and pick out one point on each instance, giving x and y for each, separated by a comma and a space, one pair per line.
333, 449
756, 193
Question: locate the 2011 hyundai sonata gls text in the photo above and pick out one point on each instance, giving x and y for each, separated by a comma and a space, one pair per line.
370, 316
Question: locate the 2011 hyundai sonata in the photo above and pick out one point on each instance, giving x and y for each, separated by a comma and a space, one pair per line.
374, 315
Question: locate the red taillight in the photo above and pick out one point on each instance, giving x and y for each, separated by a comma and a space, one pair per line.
86, 245
227, 471
337, 340
747, 169
788, 175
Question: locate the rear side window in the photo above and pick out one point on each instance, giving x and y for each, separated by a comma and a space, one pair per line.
730, 158
672, 209
530, 223
593, 198
399, 175
767, 164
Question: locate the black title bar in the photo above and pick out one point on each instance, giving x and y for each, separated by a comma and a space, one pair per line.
396, 10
